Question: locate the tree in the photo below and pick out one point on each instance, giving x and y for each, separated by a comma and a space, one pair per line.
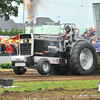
7, 9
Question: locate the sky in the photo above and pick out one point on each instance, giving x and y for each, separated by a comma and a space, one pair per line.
79, 12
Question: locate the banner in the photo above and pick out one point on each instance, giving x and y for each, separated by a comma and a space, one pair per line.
96, 14
30, 15
24, 5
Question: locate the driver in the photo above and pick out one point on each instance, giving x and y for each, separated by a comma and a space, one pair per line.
65, 36
68, 29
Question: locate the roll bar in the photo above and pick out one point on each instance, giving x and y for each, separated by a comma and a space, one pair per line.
73, 27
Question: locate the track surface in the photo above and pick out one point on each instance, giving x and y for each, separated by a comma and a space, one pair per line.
33, 76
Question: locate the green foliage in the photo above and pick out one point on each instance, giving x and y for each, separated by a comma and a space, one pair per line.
6, 66
5, 32
13, 32
8, 9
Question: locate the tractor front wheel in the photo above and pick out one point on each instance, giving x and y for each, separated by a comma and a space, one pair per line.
19, 70
43, 66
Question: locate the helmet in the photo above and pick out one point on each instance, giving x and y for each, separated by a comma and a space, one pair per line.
68, 29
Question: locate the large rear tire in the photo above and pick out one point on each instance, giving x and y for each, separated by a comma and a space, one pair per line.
19, 70
83, 60
43, 66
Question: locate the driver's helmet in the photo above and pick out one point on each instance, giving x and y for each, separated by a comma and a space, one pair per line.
68, 29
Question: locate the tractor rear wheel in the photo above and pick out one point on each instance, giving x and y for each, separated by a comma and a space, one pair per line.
83, 60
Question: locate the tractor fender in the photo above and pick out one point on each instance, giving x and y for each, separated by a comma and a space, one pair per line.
74, 44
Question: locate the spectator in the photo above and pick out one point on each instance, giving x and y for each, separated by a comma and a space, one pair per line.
78, 36
89, 29
90, 40
85, 31
9, 48
78, 32
92, 29
83, 35
14, 48
88, 35
93, 40
92, 32
3, 49
17, 47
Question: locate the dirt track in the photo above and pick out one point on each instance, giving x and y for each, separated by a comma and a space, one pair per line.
32, 75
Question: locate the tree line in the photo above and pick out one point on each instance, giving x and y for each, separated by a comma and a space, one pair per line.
13, 32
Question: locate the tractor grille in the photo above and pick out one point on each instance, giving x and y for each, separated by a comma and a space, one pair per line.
25, 46
25, 49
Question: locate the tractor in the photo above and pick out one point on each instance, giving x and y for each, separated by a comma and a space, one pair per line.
54, 55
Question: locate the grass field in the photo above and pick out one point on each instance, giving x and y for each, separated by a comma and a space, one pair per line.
69, 85
11, 69
5, 69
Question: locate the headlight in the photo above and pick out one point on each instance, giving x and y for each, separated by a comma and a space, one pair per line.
21, 41
26, 41
30, 40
